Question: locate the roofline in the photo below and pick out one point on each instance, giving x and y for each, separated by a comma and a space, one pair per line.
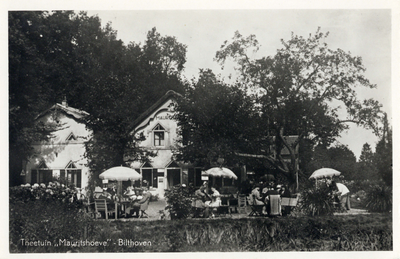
154, 107
65, 109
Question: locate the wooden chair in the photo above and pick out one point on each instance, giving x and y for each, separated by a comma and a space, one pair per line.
242, 203
143, 208
274, 205
223, 209
101, 206
288, 203
256, 209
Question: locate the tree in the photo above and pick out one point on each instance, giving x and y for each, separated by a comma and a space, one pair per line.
39, 43
214, 119
60, 54
296, 90
338, 157
366, 168
384, 154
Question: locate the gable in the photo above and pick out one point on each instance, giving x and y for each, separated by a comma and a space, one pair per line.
163, 108
67, 128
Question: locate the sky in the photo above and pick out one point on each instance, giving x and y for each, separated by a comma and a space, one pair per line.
362, 32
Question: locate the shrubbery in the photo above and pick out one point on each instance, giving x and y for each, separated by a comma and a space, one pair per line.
379, 198
316, 201
179, 202
46, 213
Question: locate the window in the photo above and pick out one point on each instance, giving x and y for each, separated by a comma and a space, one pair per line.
159, 136
71, 175
41, 175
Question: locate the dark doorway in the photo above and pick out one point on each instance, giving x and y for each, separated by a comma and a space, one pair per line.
173, 177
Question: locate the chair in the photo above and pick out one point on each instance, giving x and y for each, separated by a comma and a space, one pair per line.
143, 207
242, 203
275, 205
256, 209
101, 206
288, 203
223, 209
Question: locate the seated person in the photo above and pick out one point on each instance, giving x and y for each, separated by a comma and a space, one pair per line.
140, 204
256, 196
200, 198
285, 192
97, 192
216, 199
105, 195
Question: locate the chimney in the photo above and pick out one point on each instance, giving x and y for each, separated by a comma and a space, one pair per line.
64, 102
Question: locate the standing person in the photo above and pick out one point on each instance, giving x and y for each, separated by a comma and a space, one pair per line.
344, 198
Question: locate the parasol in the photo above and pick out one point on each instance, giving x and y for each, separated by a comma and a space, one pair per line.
220, 172
120, 173
324, 172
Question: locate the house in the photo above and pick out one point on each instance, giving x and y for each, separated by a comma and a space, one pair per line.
62, 157
159, 128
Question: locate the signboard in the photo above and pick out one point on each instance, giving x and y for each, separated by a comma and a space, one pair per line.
204, 177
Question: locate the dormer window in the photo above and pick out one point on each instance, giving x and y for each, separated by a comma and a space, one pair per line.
70, 137
159, 136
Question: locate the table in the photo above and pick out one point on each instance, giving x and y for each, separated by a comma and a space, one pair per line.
229, 198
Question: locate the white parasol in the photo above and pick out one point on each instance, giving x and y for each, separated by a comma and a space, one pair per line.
324, 172
120, 173
220, 172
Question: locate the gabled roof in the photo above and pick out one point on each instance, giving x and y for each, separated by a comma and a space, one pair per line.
76, 113
168, 95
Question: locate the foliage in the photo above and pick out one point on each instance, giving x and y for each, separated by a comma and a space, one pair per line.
366, 168
60, 54
317, 201
295, 91
213, 119
37, 49
379, 198
338, 157
179, 202
384, 154
46, 213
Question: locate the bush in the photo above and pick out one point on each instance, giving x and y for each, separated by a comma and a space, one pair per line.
179, 203
379, 199
46, 214
316, 201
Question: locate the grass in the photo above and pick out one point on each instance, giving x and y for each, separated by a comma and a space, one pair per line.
347, 232
370, 232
